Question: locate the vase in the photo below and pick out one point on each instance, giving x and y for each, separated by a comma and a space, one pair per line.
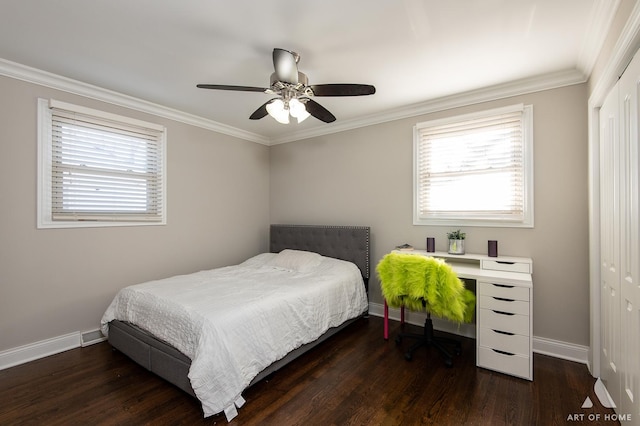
456, 246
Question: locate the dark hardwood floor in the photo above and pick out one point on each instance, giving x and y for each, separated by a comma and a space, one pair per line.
354, 378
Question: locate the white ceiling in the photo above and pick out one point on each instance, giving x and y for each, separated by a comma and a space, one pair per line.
413, 51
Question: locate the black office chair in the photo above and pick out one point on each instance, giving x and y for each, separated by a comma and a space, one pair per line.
429, 339
422, 283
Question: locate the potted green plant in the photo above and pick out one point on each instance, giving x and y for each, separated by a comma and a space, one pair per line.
456, 241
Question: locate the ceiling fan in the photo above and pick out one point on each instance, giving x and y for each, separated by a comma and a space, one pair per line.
294, 92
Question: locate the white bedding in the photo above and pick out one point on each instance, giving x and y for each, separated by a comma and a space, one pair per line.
232, 322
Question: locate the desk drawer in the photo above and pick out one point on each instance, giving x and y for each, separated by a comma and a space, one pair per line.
504, 305
497, 265
516, 365
504, 291
501, 321
512, 343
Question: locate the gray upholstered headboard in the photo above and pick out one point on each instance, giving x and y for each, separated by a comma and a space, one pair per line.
350, 243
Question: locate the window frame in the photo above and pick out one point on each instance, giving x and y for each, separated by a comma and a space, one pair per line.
45, 166
528, 188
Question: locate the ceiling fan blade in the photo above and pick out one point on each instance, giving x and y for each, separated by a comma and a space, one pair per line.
235, 88
342, 89
285, 63
319, 112
262, 111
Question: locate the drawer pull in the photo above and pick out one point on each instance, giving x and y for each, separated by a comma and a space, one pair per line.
503, 285
503, 313
503, 299
503, 352
503, 332
504, 262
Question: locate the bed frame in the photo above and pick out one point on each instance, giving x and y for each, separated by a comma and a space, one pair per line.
350, 243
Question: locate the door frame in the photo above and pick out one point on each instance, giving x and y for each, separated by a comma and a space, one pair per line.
625, 48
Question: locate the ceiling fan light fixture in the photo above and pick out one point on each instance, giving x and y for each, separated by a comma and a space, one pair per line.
277, 110
298, 110
303, 116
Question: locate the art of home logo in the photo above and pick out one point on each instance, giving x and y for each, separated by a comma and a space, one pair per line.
606, 401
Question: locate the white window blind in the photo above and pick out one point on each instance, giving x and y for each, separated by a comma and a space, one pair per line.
474, 169
100, 167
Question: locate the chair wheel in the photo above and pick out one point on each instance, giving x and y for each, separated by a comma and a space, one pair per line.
408, 356
448, 363
458, 351
398, 340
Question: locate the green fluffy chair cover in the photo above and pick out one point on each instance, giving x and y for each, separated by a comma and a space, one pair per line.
409, 279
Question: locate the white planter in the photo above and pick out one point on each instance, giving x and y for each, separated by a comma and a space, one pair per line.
456, 246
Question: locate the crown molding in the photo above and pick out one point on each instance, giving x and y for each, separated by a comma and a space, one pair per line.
501, 91
623, 52
505, 90
600, 20
54, 81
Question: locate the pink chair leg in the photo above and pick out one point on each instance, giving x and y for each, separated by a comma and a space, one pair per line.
386, 321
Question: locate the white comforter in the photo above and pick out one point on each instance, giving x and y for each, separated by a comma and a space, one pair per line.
232, 322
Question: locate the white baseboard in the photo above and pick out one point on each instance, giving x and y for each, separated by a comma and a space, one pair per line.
41, 349
541, 345
44, 348
92, 337
563, 350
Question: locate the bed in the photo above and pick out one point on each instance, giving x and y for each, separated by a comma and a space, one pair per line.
255, 328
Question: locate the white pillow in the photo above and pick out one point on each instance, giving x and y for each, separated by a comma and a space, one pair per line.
295, 260
258, 260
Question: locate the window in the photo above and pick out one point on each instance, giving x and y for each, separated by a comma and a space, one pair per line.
475, 170
98, 169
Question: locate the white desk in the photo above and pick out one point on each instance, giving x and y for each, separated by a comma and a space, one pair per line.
504, 309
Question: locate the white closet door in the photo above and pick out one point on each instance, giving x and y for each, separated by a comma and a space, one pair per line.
629, 362
610, 243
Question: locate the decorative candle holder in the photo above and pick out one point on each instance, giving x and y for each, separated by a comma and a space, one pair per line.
431, 244
493, 248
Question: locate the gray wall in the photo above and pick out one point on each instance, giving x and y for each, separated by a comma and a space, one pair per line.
364, 177
223, 192
58, 281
